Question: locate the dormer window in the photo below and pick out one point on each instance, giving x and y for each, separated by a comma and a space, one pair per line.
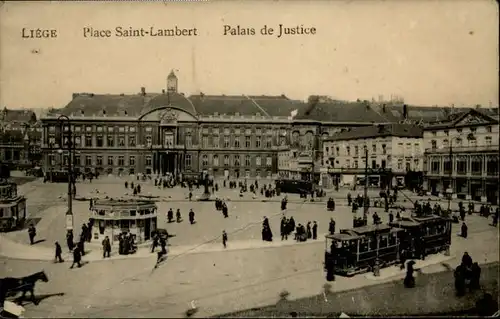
82, 112
125, 112
216, 113
103, 112
257, 114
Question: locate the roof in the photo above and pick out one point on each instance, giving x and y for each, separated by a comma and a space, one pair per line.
354, 233
225, 104
480, 116
17, 116
359, 112
122, 202
381, 130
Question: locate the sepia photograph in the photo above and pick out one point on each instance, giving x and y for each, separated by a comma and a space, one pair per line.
172, 159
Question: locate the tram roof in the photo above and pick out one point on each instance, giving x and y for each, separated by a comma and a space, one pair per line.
359, 232
123, 202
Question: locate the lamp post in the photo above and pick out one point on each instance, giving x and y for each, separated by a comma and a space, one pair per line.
26, 140
69, 214
449, 190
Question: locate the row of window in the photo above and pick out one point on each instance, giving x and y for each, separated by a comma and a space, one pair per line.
461, 166
459, 142
472, 130
133, 129
235, 160
401, 164
207, 141
237, 142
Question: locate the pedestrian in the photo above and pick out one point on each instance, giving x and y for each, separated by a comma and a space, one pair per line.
77, 258
70, 240
81, 246
58, 253
224, 238
106, 247
32, 234
155, 243
391, 217
89, 231
224, 210
191, 216
331, 227
163, 244
170, 215
464, 230
283, 228
315, 230
178, 215
309, 232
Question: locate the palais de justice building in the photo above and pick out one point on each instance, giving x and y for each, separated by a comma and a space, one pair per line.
233, 136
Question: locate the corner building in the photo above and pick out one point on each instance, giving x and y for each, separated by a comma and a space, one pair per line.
231, 136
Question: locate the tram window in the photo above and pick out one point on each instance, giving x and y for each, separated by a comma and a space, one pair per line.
116, 223
109, 223
101, 212
140, 223
383, 241
392, 240
373, 244
363, 246
133, 213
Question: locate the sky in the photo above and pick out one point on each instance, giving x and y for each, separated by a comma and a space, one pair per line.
429, 52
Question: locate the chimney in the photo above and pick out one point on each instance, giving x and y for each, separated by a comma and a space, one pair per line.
405, 111
143, 91
163, 91
383, 108
75, 95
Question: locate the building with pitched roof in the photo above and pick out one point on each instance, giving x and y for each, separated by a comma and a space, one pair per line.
225, 135
389, 150
20, 138
462, 158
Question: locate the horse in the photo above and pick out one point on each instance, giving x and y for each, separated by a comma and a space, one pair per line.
10, 286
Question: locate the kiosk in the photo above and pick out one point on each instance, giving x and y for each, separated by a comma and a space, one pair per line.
112, 217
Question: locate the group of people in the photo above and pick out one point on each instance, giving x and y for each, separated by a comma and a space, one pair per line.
135, 188
221, 205
178, 216
467, 271
304, 233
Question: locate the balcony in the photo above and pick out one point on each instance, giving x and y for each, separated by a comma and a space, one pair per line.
463, 149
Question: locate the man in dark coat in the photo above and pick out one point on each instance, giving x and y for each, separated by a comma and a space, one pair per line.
77, 258
178, 215
464, 230
283, 228
309, 231
224, 210
224, 238
191, 216
315, 230
70, 240
81, 246
331, 227
58, 253
106, 247
467, 260
155, 243
170, 215
32, 234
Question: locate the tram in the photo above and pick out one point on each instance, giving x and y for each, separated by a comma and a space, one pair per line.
425, 235
354, 251
294, 186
